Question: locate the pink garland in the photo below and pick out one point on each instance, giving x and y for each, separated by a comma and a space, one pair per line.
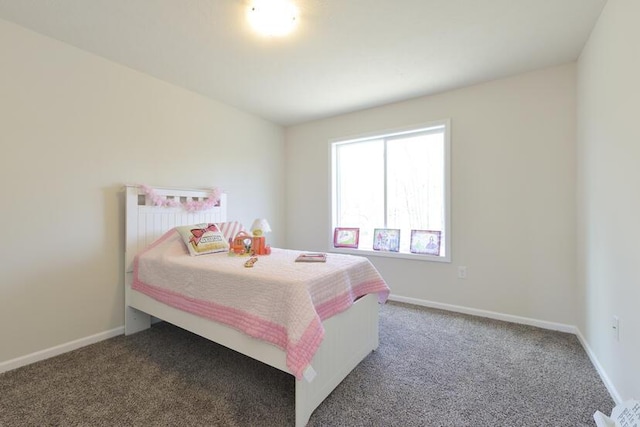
190, 206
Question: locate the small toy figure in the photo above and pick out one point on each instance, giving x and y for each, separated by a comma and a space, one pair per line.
250, 262
241, 243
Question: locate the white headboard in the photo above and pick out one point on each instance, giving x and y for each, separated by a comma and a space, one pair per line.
145, 222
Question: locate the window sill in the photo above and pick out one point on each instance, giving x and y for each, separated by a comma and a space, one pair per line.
385, 254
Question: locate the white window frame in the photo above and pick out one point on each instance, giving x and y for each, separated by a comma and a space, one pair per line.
446, 124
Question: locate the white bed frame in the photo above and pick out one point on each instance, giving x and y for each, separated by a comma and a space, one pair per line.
349, 336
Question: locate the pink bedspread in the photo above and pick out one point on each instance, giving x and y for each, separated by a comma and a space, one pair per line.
278, 300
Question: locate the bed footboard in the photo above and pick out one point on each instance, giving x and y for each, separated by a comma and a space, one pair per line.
349, 337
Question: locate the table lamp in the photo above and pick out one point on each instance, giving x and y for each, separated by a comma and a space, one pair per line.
259, 227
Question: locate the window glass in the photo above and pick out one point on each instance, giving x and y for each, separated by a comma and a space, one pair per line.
393, 181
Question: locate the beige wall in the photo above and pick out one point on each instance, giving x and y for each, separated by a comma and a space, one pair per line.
609, 188
74, 128
513, 194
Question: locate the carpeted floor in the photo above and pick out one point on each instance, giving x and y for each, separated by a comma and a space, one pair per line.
433, 368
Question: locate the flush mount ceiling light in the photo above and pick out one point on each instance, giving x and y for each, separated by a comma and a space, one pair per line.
273, 17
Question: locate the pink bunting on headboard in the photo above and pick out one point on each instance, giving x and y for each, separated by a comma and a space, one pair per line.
190, 206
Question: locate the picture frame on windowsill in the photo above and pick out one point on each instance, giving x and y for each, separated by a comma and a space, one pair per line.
346, 237
425, 242
386, 239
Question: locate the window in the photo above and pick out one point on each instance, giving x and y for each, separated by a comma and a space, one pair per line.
395, 180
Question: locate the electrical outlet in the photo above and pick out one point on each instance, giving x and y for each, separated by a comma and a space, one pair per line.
462, 272
615, 326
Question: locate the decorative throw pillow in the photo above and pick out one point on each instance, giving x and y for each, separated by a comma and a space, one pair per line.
230, 229
203, 239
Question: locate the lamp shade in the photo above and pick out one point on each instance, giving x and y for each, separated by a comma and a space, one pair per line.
260, 226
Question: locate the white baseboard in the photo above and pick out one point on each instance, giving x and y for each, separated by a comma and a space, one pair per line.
603, 375
524, 321
58, 350
489, 314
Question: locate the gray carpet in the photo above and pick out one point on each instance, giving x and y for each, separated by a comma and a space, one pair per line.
433, 368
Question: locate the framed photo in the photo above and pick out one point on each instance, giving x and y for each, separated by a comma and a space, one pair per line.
346, 237
425, 242
386, 239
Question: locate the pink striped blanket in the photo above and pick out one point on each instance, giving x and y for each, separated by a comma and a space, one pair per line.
279, 300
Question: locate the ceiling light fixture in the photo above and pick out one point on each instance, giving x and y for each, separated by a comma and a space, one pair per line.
273, 17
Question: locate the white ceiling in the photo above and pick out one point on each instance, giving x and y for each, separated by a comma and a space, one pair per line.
345, 55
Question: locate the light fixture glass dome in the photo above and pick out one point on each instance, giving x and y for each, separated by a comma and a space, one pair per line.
273, 17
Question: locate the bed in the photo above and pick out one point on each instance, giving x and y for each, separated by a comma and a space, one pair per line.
349, 336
